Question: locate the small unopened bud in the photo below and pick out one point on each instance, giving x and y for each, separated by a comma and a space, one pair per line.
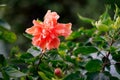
58, 72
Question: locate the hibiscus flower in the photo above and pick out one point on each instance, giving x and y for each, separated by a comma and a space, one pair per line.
45, 34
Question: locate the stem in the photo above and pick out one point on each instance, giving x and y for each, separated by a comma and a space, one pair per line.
112, 63
40, 58
107, 56
105, 62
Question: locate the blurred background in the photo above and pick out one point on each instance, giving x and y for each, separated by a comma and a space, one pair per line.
20, 13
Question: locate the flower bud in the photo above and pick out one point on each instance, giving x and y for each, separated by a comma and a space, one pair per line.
58, 72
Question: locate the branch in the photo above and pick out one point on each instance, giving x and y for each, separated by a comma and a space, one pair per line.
40, 58
107, 57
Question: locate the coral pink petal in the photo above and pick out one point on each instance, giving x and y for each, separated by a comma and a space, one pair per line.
37, 41
63, 29
34, 30
37, 23
54, 43
46, 33
51, 18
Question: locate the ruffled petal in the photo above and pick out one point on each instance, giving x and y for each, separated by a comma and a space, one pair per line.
37, 23
46, 33
40, 42
50, 19
63, 29
36, 29
54, 43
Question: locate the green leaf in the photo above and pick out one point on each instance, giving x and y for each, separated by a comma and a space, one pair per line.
71, 44
9, 36
5, 32
117, 10
105, 15
102, 27
93, 65
74, 35
34, 51
74, 76
12, 72
28, 36
85, 50
62, 49
88, 20
116, 57
104, 23
5, 76
43, 76
26, 56
89, 32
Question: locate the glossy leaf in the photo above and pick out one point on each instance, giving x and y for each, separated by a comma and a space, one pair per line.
12, 72
34, 51
85, 50
93, 65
